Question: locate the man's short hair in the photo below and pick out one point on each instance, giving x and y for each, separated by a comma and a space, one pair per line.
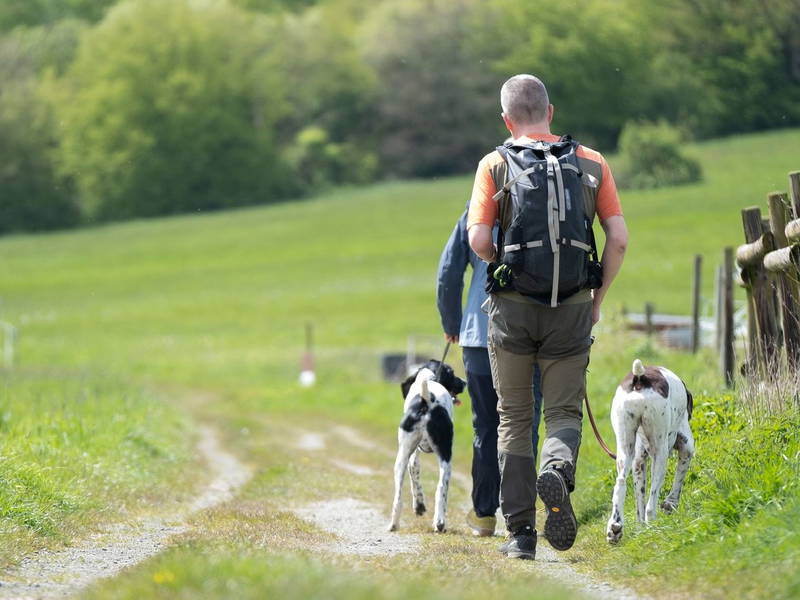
524, 99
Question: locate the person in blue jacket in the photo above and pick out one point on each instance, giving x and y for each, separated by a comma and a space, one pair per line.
468, 328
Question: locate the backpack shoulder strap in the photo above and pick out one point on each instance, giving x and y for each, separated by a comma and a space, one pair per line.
500, 176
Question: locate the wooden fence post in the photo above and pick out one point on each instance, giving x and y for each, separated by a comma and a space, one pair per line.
9, 343
719, 300
648, 318
789, 302
726, 357
698, 264
760, 301
794, 187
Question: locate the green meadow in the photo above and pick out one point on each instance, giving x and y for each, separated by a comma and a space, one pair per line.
132, 333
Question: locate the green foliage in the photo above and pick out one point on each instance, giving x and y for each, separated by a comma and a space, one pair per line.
192, 105
328, 84
651, 156
744, 77
593, 56
437, 110
319, 162
34, 196
14, 13
271, 6
170, 107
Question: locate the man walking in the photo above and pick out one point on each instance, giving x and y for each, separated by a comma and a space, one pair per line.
469, 330
535, 317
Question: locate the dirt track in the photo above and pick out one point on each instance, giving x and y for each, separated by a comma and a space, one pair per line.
64, 572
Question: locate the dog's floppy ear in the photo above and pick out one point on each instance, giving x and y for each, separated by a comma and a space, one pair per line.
406, 385
458, 385
689, 401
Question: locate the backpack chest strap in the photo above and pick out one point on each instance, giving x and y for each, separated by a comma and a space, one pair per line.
540, 243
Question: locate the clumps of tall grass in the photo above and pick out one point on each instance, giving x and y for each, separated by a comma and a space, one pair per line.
769, 393
746, 463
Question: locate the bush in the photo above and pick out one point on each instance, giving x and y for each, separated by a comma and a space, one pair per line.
652, 157
33, 195
171, 107
319, 162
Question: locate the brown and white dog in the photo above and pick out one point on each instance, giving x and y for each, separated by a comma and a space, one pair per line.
650, 414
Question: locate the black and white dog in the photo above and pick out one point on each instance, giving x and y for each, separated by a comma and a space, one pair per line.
650, 414
427, 426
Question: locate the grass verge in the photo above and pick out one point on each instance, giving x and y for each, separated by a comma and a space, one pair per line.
79, 450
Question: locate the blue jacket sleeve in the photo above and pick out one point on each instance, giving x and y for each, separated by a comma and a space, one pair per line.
450, 278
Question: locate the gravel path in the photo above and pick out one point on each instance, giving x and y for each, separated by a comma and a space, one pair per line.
61, 573
361, 527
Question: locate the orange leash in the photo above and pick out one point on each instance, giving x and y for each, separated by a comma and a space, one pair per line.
599, 437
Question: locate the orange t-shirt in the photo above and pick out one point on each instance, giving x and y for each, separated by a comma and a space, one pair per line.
483, 209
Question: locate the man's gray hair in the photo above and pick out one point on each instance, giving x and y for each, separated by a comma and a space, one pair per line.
524, 99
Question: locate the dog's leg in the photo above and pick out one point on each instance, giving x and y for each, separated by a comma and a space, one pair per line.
440, 431
685, 446
640, 476
660, 452
407, 443
440, 513
626, 438
417, 497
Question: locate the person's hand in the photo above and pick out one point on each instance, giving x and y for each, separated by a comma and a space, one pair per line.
453, 339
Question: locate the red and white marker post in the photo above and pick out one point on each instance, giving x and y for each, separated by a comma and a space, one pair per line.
307, 375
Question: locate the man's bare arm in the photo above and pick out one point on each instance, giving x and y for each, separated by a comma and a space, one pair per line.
613, 254
480, 240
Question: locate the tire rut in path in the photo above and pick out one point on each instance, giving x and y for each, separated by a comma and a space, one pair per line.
61, 573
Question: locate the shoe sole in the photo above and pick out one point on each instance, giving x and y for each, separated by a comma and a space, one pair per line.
561, 527
522, 555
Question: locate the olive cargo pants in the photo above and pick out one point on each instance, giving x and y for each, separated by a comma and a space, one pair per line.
521, 335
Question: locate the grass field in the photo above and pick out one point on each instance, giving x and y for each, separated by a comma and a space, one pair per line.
120, 322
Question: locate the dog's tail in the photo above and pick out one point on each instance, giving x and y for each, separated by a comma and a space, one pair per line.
424, 376
637, 368
424, 391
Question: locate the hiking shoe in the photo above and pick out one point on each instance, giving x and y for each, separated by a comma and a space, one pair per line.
561, 526
481, 526
520, 544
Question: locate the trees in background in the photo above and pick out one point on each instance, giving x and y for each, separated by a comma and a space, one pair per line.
330, 91
14, 13
171, 107
146, 107
436, 110
593, 56
33, 194
734, 65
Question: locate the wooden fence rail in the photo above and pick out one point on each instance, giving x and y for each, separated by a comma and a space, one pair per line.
770, 273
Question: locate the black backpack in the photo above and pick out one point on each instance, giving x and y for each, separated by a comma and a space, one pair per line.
546, 248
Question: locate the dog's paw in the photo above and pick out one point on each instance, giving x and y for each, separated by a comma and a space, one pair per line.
419, 509
393, 527
439, 526
614, 533
668, 506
